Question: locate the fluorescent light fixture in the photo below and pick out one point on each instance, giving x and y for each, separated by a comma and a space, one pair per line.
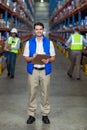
42, 1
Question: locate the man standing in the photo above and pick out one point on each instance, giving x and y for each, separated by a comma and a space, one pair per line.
76, 42
39, 74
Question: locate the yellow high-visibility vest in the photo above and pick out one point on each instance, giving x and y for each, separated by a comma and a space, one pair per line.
13, 43
77, 42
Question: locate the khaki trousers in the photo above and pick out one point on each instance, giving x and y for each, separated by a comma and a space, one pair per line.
38, 78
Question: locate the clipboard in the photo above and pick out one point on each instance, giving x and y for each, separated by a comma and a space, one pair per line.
38, 59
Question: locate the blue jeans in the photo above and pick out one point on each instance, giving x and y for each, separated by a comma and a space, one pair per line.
11, 61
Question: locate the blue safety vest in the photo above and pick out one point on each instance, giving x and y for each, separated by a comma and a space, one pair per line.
32, 48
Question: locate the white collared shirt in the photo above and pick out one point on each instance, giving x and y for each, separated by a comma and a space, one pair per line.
39, 50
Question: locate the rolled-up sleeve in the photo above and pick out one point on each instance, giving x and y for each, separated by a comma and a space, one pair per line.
26, 49
68, 41
52, 49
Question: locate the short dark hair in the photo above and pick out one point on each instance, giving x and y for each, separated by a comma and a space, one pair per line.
76, 29
39, 23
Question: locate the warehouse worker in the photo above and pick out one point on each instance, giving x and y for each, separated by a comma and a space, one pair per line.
13, 45
76, 42
39, 74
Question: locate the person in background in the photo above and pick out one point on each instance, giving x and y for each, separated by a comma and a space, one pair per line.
76, 42
12, 47
39, 74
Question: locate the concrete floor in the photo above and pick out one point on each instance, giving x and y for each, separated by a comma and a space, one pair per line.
68, 99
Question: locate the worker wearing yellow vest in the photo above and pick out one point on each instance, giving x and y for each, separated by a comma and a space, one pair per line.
12, 51
76, 42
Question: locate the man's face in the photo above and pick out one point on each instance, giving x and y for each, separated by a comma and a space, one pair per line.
38, 30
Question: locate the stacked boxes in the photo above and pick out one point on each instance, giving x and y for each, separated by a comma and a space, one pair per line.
3, 1
77, 3
82, 1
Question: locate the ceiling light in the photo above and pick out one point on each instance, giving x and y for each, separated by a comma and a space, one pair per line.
42, 1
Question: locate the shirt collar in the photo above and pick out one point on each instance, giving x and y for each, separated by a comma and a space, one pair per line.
41, 39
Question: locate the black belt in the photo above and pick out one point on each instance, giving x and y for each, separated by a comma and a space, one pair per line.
39, 68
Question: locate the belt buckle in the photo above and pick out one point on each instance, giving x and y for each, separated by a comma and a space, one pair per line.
39, 68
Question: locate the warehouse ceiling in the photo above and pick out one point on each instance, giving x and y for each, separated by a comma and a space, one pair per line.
40, 0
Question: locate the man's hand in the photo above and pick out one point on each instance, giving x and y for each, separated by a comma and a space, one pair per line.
51, 59
45, 61
30, 59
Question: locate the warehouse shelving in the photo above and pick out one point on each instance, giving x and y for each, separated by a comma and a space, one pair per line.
72, 13
59, 10
13, 14
22, 19
63, 21
62, 27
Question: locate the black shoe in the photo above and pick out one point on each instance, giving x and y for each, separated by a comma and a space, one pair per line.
45, 120
30, 120
69, 75
8, 74
78, 78
12, 76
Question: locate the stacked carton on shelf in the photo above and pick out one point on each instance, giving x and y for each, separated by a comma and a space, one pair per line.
77, 3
